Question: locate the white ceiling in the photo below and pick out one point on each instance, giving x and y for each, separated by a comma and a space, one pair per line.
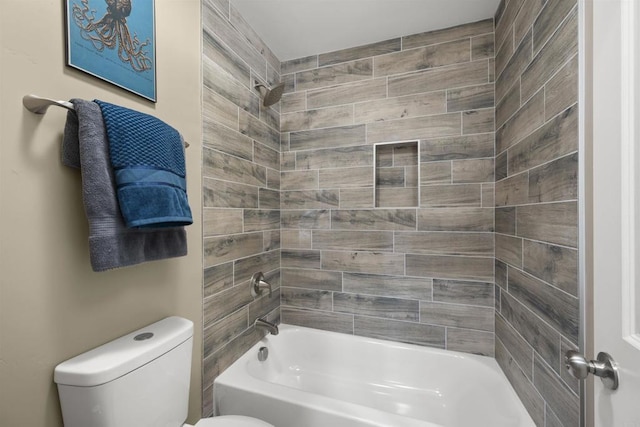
298, 28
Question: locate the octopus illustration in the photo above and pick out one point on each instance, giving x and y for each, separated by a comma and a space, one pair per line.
111, 31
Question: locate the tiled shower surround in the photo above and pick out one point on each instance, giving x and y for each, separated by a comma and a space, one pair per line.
291, 190
536, 203
419, 271
241, 198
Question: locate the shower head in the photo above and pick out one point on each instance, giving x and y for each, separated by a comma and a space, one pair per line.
270, 96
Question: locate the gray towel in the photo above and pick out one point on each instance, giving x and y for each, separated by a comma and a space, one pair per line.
111, 243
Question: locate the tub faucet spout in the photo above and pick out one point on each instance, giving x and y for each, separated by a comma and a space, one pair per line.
271, 327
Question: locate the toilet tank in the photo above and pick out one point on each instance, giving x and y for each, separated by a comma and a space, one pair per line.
138, 380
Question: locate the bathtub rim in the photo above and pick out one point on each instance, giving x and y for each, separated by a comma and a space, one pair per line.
236, 375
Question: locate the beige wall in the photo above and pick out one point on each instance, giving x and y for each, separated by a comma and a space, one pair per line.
52, 306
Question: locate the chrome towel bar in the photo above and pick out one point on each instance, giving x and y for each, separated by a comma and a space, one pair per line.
39, 105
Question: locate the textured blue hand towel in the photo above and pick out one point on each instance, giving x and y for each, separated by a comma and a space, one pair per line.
147, 156
111, 243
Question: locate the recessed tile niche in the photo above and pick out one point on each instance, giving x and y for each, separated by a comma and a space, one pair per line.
396, 174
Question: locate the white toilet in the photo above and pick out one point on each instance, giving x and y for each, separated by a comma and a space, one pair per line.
139, 380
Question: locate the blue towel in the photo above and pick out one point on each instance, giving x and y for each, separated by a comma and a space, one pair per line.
147, 157
111, 243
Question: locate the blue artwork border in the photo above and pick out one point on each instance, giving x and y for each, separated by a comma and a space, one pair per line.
114, 42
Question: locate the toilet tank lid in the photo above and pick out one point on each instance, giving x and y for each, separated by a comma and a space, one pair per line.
125, 354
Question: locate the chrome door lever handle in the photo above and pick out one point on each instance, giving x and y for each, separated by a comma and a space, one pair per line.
604, 367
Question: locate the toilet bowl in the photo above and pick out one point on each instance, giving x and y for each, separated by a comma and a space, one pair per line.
140, 379
230, 421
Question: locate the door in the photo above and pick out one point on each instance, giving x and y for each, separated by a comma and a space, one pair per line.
615, 47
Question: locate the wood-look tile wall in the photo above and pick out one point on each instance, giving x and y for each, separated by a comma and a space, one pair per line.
494, 157
536, 194
241, 188
422, 274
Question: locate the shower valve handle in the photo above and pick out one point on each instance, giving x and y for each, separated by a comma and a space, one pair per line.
258, 284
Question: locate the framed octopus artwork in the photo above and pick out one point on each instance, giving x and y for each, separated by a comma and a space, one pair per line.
114, 40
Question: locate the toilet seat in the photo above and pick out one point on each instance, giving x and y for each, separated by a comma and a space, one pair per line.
231, 421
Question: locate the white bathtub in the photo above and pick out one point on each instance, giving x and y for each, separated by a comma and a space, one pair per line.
324, 379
